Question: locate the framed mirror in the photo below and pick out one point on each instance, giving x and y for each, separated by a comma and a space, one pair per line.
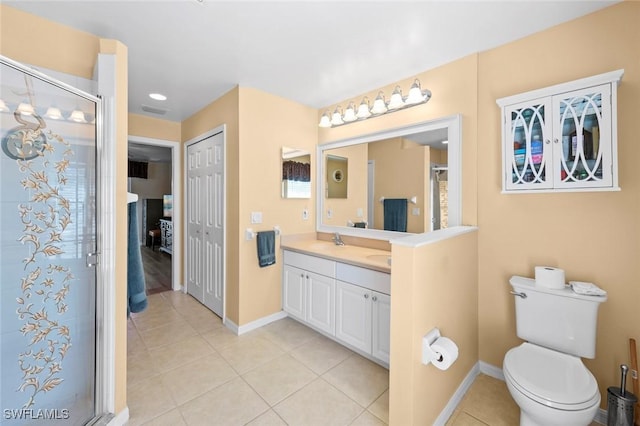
401, 181
296, 173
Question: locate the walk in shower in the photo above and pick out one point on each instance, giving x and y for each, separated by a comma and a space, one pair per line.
48, 229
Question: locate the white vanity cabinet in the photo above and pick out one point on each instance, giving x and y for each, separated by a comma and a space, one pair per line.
363, 310
562, 138
308, 290
348, 303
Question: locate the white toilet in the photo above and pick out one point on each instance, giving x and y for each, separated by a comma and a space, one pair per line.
545, 375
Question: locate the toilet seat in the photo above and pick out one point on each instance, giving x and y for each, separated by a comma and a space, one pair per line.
551, 378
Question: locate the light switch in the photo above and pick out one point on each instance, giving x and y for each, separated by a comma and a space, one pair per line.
329, 213
256, 217
305, 214
359, 212
416, 211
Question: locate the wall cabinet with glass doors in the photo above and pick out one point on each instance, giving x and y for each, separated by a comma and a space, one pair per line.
562, 138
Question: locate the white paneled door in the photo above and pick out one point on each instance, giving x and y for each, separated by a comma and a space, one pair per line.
205, 221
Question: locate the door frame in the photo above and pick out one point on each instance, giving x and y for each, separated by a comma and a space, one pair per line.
176, 191
220, 129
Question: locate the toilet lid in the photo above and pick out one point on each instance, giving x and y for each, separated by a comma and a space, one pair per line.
550, 377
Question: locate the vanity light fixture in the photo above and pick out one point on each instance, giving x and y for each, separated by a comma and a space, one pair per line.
397, 102
363, 110
336, 117
350, 113
379, 105
54, 113
26, 108
77, 116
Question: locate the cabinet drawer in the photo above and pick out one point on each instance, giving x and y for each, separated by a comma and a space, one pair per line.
310, 263
363, 277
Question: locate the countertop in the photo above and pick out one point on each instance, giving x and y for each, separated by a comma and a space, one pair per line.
365, 257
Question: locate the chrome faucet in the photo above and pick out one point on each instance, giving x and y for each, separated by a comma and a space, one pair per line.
336, 239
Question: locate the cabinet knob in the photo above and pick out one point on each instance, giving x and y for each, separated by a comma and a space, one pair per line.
307, 277
301, 275
366, 295
547, 141
374, 298
555, 140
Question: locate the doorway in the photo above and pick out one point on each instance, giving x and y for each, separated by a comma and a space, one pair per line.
156, 212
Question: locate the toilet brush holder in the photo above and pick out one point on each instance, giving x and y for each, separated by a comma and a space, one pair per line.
620, 403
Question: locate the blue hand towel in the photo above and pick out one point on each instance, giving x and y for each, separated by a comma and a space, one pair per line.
136, 296
266, 248
395, 214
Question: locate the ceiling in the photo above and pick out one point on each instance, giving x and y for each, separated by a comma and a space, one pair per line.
316, 53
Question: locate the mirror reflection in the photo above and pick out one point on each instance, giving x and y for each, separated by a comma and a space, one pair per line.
337, 172
396, 184
296, 173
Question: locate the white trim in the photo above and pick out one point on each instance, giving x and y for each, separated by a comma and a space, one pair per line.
106, 338
596, 80
253, 325
432, 237
120, 419
491, 370
454, 125
601, 417
176, 192
448, 410
220, 129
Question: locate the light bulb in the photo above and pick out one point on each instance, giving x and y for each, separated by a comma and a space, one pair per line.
3, 106
363, 109
26, 109
396, 99
379, 106
350, 113
336, 117
77, 116
53, 113
415, 94
325, 121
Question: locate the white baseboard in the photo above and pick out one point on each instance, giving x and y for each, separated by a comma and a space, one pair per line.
491, 370
261, 322
601, 417
448, 410
121, 418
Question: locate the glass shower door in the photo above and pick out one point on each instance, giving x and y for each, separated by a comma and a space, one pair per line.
48, 243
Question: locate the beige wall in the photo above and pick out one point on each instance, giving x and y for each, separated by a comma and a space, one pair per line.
401, 171
594, 236
41, 43
156, 128
267, 123
419, 303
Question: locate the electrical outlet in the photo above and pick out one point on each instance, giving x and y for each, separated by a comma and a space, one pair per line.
416, 211
256, 217
359, 212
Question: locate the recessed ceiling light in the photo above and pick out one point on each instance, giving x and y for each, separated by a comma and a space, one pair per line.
158, 96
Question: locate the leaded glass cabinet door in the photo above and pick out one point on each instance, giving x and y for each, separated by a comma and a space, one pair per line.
582, 138
48, 245
528, 148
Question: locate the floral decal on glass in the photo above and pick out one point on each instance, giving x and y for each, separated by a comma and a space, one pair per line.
42, 159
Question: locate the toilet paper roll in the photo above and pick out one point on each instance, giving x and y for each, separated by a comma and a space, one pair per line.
446, 353
549, 277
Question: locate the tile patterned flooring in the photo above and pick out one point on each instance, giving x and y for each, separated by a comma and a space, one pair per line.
186, 368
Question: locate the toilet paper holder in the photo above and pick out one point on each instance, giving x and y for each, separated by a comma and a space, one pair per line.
428, 354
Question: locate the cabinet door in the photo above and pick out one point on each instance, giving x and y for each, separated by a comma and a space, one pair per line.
293, 291
321, 301
527, 150
582, 138
381, 317
353, 315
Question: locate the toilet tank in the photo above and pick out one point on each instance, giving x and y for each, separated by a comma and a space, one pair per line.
556, 319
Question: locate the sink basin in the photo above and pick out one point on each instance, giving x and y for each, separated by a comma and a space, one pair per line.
380, 258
